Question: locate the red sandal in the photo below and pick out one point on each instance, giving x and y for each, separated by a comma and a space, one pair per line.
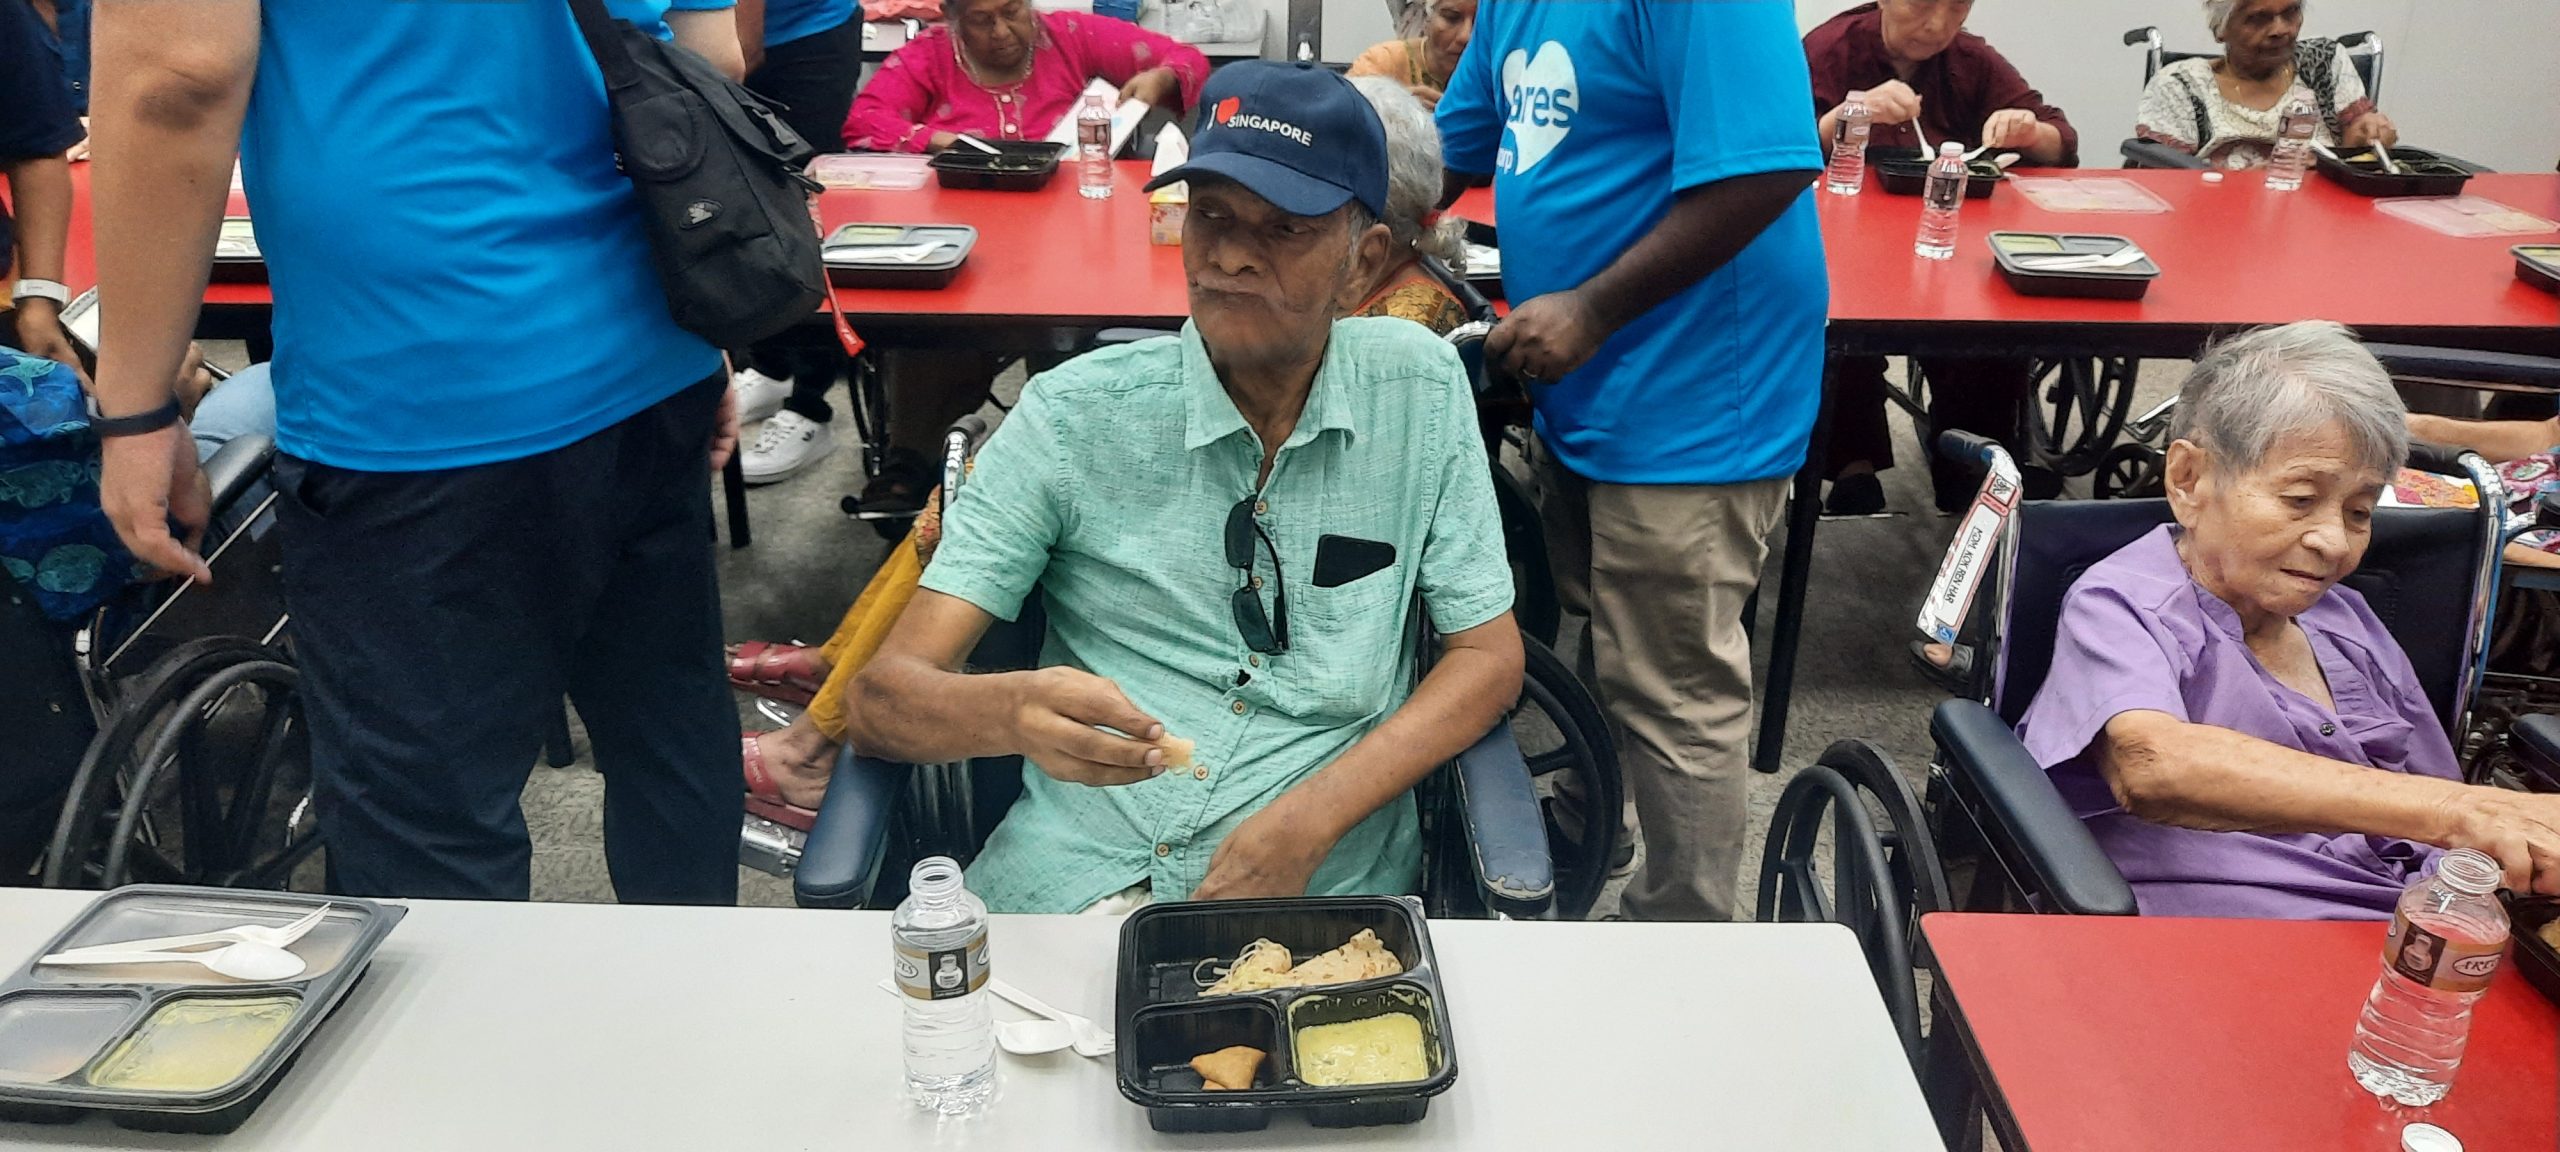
790, 673
764, 794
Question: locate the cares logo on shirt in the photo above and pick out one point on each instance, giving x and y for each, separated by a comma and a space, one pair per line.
1228, 115
1544, 97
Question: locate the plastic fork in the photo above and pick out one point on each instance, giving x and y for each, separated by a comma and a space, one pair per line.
890, 253
283, 937
2082, 263
1091, 1039
1926, 152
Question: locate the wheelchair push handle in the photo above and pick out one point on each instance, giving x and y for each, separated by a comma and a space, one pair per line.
2140, 36
965, 435
1974, 452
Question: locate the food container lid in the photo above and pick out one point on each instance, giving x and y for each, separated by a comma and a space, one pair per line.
2428, 1138
873, 171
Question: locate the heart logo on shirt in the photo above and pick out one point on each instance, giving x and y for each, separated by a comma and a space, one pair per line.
1544, 97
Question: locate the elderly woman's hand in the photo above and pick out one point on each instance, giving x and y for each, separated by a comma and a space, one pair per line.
1429, 95
2010, 129
1156, 87
1892, 102
2370, 129
2520, 830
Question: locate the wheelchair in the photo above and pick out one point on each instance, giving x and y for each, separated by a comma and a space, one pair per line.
1504, 825
1989, 804
2364, 52
168, 721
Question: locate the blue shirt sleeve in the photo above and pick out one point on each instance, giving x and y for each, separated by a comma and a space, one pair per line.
36, 117
1470, 109
1732, 76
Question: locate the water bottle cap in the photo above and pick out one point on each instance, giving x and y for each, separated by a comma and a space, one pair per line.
1950, 148
2428, 1138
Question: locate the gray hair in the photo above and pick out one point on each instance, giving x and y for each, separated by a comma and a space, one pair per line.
1413, 171
2252, 390
2217, 14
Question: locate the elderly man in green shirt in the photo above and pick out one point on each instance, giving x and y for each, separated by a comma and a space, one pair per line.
1230, 530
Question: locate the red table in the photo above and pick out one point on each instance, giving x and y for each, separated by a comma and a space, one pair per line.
2099, 1034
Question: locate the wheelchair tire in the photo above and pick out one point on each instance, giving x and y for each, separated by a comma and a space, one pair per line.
2127, 472
178, 725
1581, 843
2077, 410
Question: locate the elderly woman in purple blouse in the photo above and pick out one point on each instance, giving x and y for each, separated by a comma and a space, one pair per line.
2241, 734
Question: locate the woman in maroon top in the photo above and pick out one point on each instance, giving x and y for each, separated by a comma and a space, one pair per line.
1912, 60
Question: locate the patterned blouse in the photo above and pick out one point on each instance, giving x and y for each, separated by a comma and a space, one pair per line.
2184, 108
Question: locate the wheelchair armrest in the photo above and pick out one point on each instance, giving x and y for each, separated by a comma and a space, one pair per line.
2154, 154
1506, 832
235, 466
2536, 743
2021, 811
2467, 366
841, 860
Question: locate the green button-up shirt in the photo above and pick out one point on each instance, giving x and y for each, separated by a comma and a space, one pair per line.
1108, 488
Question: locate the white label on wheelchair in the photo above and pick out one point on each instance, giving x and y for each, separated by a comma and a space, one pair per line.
944, 975
1951, 594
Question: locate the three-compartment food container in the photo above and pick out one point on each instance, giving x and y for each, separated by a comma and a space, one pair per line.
173, 1047
2538, 265
2417, 173
1909, 176
1015, 166
879, 255
1168, 950
2130, 281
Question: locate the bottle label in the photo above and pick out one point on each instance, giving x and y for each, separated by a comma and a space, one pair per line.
943, 975
2444, 963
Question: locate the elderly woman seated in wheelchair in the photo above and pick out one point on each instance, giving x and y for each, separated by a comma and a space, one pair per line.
2242, 736
1229, 531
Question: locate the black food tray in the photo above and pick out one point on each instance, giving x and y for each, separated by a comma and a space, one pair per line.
2535, 958
340, 949
1019, 166
1910, 177
2423, 173
1163, 1021
2538, 265
236, 258
936, 270
2128, 282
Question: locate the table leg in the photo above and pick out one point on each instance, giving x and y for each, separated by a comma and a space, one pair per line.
1795, 573
733, 489
1961, 1094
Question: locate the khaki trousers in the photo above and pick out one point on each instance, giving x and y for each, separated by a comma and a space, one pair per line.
1663, 571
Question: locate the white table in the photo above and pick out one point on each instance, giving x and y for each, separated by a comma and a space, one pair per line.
487, 1027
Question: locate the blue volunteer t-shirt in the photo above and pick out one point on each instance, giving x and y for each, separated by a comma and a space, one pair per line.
459, 269
1592, 116
789, 20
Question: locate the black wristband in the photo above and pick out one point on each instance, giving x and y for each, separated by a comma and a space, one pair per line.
138, 423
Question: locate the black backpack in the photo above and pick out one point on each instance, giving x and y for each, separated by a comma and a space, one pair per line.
720, 180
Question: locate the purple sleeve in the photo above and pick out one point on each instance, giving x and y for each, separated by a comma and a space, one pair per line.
2109, 658
1116, 50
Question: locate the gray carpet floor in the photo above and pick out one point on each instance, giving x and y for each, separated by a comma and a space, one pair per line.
1853, 678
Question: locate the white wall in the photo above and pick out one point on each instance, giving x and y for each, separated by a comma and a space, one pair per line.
2475, 78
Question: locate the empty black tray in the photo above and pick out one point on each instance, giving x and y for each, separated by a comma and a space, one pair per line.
1910, 177
1018, 166
2538, 265
1164, 1021
936, 269
2420, 173
236, 258
2125, 282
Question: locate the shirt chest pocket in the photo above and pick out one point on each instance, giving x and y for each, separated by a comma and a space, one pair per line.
1347, 653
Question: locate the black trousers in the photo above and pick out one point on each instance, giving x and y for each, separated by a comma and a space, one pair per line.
438, 619
1979, 394
813, 79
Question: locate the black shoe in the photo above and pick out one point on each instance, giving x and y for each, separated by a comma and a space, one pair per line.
1859, 495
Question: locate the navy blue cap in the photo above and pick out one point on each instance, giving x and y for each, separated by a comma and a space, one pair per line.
1296, 135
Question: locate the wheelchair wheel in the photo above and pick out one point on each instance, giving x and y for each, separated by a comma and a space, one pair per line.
1524, 538
200, 776
1565, 740
2127, 472
2078, 411
1885, 871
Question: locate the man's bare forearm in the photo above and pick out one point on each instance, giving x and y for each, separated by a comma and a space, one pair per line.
2201, 776
905, 708
1705, 228
2499, 440
40, 194
172, 85
1464, 695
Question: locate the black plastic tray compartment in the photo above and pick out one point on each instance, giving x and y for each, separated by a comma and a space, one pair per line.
937, 270
1017, 166
2421, 173
2128, 282
1910, 177
2538, 265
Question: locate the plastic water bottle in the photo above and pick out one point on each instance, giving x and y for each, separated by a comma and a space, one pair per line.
1093, 148
2293, 145
939, 937
2445, 943
1848, 172
1940, 204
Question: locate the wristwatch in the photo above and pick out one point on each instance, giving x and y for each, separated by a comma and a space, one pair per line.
31, 288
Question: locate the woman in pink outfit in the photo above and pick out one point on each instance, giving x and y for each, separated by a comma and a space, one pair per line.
1002, 70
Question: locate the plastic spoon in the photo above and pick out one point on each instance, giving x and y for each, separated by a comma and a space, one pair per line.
1090, 1038
2389, 165
283, 937
1926, 152
2005, 159
1019, 1037
981, 145
240, 960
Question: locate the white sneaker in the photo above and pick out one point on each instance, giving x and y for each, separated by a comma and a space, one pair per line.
759, 395
786, 444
